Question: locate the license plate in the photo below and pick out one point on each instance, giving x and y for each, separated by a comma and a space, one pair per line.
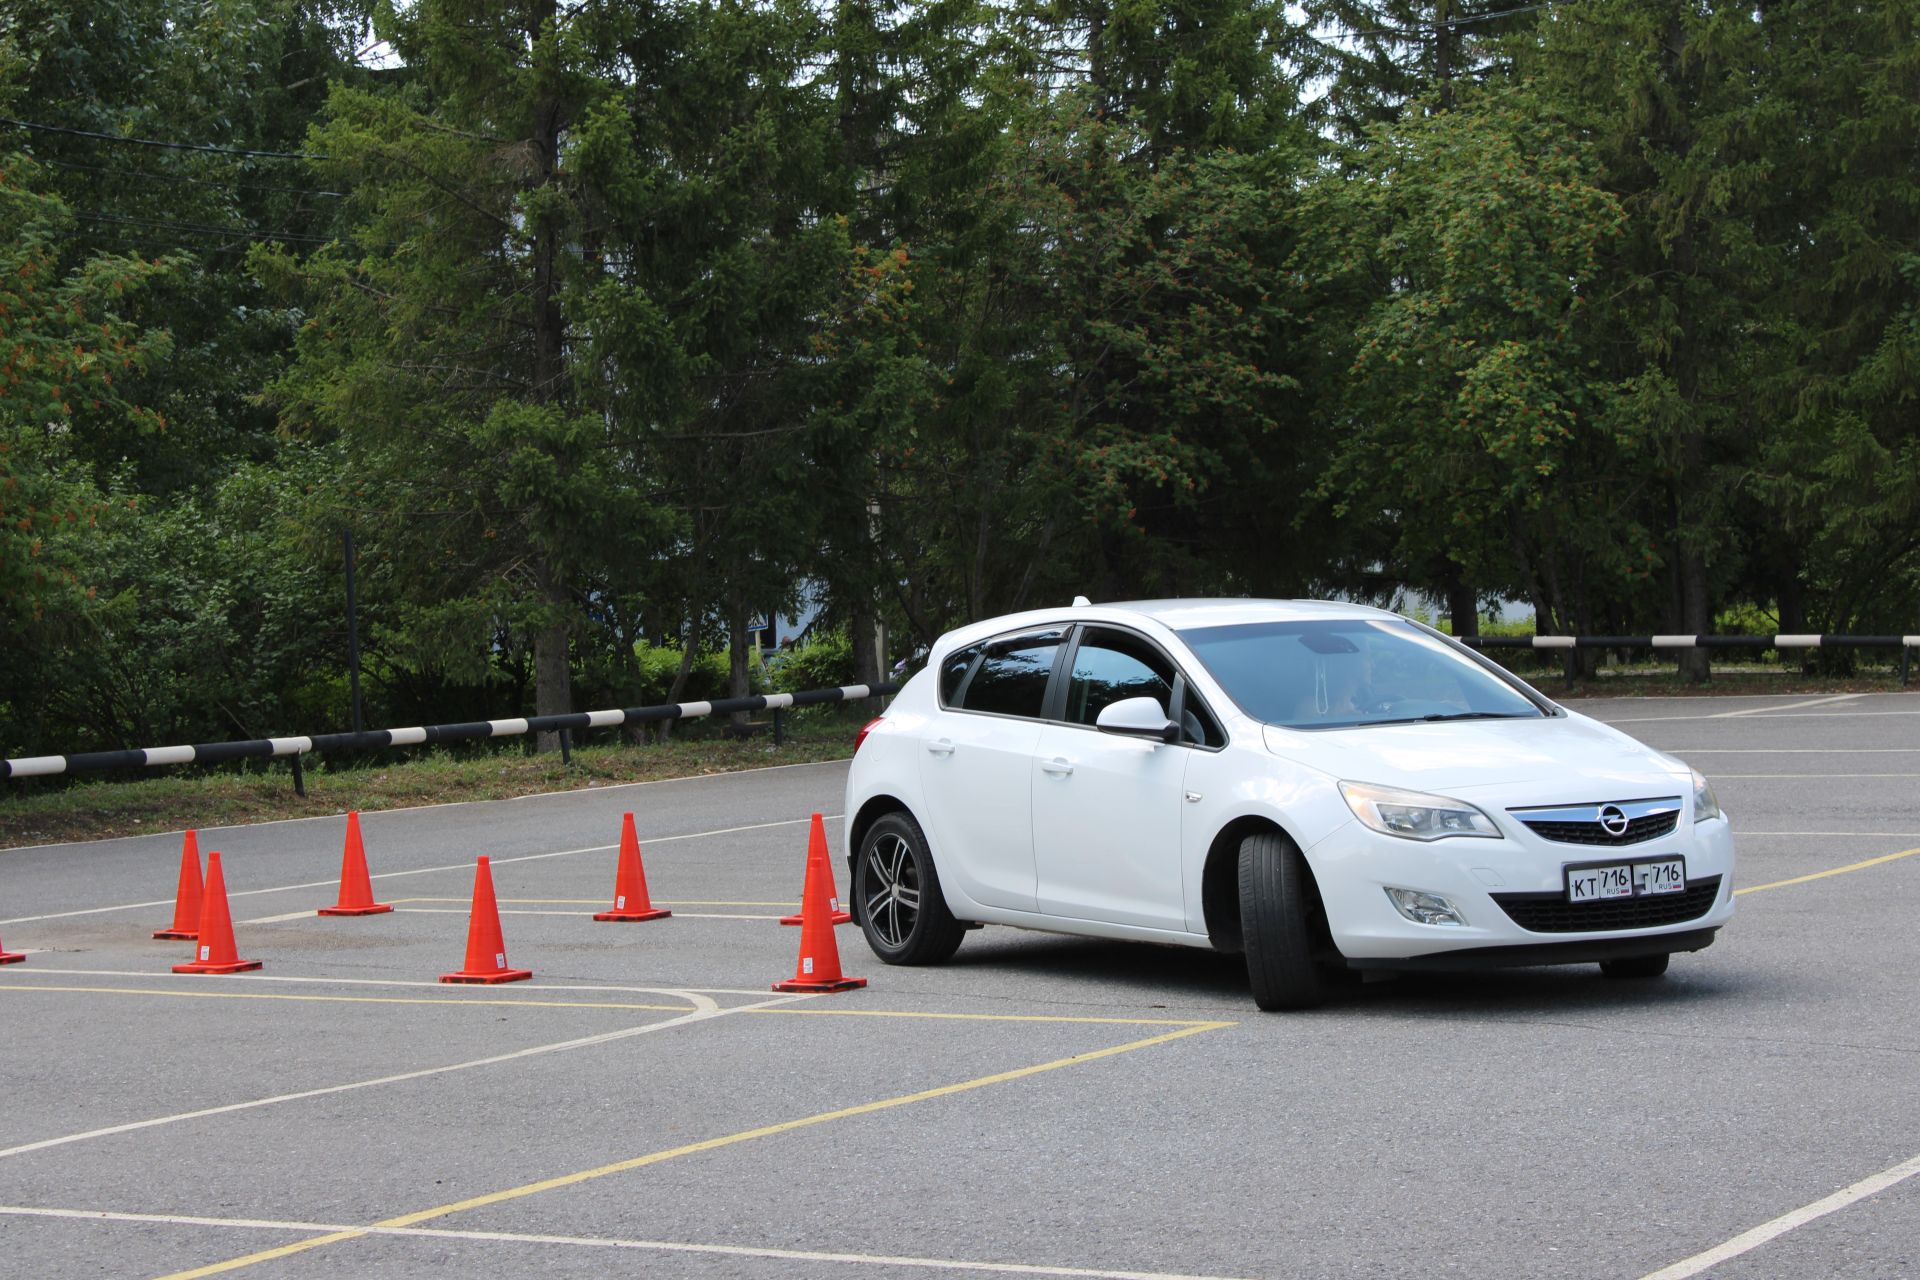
1626, 880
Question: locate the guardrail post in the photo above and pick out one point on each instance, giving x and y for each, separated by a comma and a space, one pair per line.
566, 747
779, 728
1906, 664
299, 776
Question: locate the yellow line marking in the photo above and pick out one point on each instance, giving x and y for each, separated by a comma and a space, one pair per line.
280, 995
692, 1148
1833, 871
1008, 1017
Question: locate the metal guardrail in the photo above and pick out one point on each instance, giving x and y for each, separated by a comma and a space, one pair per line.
1906, 644
295, 747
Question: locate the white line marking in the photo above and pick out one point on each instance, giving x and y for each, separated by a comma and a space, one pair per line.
594, 1242
1768, 713
1786, 706
1719, 777
414, 808
1747, 1241
197, 979
425, 871
308, 914
1852, 835
708, 1010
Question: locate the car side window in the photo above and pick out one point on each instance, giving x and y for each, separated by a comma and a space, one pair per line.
1012, 676
1112, 666
953, 671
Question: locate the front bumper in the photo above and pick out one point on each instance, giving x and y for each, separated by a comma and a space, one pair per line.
1354, 866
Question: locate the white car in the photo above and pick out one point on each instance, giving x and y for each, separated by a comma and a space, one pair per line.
1324, 787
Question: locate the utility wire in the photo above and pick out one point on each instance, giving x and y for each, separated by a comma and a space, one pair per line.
198, 182
155, 142
1421, 29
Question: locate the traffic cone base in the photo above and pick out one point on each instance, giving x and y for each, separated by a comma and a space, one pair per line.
12, 957
488, 978
356, 886
839, 916
486, 950
216, 952
630, 901
836, 984
186, 899
658, 913
208, 966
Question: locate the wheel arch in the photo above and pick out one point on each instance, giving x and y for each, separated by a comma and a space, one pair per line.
1220, 880
858, 824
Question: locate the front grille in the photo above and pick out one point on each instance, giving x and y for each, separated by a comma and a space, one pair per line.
1552, 913
1639, 830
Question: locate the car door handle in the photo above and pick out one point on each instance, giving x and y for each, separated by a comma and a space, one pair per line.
1057, 765
941, 746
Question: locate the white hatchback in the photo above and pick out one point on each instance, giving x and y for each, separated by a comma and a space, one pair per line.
1323, 787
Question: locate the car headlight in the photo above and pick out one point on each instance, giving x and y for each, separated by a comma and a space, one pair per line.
1414, 815
1704, 805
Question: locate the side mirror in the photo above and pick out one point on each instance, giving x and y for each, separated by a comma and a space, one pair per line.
1138, 718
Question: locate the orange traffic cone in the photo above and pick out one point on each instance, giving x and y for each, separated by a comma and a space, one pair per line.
186, 900
216, 953
486, 951
356, 886
630, 901
11, 957
820, 869
819, 967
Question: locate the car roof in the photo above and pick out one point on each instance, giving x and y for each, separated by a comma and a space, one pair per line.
1175, 615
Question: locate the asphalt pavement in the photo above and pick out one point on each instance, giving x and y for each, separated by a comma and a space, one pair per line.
1043, 1105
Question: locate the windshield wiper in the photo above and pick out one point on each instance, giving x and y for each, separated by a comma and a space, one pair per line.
1477, 715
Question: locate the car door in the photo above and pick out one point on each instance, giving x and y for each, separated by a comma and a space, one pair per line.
1107, 808
976, 766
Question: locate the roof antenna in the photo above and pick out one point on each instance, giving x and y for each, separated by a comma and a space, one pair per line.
1081, 602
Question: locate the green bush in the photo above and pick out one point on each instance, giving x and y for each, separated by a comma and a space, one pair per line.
824, 662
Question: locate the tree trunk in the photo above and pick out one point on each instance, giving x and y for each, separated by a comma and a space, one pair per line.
689, 650
863, 632
1696, 615
1463, 606
738, 673
552, 680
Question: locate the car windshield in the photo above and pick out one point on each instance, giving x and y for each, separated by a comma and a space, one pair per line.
1342, 672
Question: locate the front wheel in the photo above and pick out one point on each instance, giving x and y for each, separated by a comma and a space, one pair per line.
1278, 907
1634, 967
897, 894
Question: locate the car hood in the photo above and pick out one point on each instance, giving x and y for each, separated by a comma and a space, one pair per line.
1568, 758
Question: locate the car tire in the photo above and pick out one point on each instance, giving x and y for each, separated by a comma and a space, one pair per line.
897, 897
1635, 966
1277, 906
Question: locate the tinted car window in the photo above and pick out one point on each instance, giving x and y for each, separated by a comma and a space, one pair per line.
1012, 679
1339, 673
953, 671
1112, 666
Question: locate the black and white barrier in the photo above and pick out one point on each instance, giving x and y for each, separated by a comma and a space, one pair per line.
1692, 642
261, 748
1906, 644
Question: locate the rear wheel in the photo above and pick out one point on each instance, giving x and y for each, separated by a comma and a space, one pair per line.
1278, 909
1635, 967
897, 894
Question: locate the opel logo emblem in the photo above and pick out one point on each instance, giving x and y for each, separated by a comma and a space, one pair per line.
1612, 820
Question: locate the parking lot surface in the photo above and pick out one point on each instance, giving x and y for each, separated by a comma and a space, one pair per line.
1041, 1106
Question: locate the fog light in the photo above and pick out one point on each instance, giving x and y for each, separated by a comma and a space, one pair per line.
1424, 908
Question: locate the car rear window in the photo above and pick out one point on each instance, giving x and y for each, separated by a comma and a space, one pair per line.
1012, 677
